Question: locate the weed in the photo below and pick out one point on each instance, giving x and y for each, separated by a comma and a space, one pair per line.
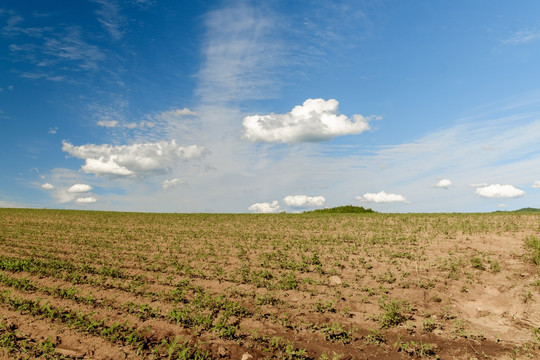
327, 307
374, 337
477, 263
429, 325
393, 312
418, 349
336, 332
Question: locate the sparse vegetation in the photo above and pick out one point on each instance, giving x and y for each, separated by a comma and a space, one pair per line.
205, 286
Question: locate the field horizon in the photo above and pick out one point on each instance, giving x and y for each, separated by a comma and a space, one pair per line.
113, 285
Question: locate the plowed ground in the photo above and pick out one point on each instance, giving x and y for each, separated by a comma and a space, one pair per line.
103, 285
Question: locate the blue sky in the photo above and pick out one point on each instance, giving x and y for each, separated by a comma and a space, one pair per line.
268, 106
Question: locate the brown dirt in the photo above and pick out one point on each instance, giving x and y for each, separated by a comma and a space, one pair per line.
461, 285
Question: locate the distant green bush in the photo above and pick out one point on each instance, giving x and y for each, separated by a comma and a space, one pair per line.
347, 209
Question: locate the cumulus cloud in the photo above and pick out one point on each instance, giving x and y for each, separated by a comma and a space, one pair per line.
47, 186
265, 208
79, 188
499, 191
314, 120
382, 197
86, 200
536, 184
132, 160
301, 201
167, 184
443, 184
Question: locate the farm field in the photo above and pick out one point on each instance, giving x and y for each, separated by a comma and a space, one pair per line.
107, 285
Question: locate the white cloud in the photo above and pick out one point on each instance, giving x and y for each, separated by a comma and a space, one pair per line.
167, 184
177, 114
86, 200
265, 208
536, 184
132, 160
110, 18
79, 188
108, 123
131, 125
499, 191
443, 184
479, 185
47, 186
314, 120
241, 53
304, 201
522, 37
382, 197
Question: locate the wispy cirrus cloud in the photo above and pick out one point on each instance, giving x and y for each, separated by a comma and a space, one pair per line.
240, 55
109, 16
522, 37
70, 47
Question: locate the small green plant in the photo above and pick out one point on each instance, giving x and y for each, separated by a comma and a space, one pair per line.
429, 325
326, 307
494, 266
393, 313
477, 263
374, 337
532, 244
418, 349
336, 332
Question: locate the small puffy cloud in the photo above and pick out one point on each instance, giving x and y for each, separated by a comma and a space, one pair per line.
53, 130
443, 184
79, 188
47, 186
108, 123
499, 191
132, 160
382, 197
314, 120
86, 200
301, 201
167, 184
265, 208
536, 184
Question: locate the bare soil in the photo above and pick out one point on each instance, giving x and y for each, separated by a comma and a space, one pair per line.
100, 285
